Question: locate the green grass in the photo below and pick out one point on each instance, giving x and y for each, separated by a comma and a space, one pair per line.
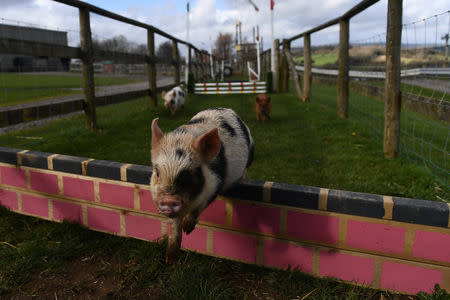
320, 59
16, 88
304, 144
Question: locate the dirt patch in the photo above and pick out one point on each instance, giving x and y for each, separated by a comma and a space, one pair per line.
86, 278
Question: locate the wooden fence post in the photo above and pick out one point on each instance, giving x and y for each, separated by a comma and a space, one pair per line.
88, 69
295, 76
392, 85
307, 72
151, 68
190, 60
176, 62
276, 62
284, 67
342, 101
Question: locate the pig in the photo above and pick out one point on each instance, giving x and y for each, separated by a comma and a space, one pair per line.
174, 99
263, 106
193, 164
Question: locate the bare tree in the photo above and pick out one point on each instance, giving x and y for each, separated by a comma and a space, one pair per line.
164, 53
223, 46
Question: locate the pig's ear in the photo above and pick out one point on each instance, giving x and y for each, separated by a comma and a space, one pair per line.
157, 133
208, 145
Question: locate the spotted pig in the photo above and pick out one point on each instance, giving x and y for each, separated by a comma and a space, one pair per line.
195, 162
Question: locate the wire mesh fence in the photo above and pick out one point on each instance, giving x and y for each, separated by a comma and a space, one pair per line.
425, 82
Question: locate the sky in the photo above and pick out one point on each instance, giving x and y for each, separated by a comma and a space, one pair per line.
208, 18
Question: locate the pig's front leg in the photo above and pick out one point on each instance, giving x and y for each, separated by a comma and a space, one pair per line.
174, 241
190, 220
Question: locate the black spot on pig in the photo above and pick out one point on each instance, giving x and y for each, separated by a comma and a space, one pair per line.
227, 127
197, 121
189, 182
180, 153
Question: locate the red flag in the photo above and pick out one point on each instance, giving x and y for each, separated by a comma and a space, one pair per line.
272, 3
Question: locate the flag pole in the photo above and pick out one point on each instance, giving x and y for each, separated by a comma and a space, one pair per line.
272, 52
186, 75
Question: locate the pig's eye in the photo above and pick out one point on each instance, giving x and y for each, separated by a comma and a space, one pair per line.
156, 170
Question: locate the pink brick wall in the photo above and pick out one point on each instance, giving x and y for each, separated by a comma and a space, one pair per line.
235, 246
37, 206
432, 245
103, 219
47, 183
214, 213
377, 237
116, 195
346, 267
312, 227
14, 177
78, 188
146, 201
282, 255
196, 240
67, 211
256, 218
8, 199
409, 279
142, 227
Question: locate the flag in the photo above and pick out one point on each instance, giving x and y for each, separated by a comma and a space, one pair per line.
272, 3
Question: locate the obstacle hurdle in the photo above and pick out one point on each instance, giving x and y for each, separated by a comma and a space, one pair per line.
250, 87
384, 242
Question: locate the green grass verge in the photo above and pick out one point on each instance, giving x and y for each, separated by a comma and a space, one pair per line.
304, 144
16, 88
320, 59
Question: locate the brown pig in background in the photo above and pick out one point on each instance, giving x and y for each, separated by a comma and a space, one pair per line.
195, 162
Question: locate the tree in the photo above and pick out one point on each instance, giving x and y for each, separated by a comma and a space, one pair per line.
164, 52
223, 46
119, 44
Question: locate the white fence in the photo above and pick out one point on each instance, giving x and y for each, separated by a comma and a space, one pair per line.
255, 87
381, 75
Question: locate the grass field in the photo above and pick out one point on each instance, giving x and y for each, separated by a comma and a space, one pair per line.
17, 88
320, 59
303, 144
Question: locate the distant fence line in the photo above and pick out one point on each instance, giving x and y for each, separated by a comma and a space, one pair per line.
381, 75
87, 54
138, 69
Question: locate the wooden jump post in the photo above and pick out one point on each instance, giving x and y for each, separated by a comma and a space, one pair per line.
307, 77
342, 102
392, 83
176, 62
151, 68
88, 69
276, 63
284, 67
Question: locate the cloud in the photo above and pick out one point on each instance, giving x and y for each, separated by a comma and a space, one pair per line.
209, 17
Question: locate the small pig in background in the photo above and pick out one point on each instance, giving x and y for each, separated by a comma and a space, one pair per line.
174, 99
263, 106
195, 162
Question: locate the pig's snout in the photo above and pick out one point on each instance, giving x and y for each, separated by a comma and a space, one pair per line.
169, 207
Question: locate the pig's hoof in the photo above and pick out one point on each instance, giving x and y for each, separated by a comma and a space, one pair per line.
188, 224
